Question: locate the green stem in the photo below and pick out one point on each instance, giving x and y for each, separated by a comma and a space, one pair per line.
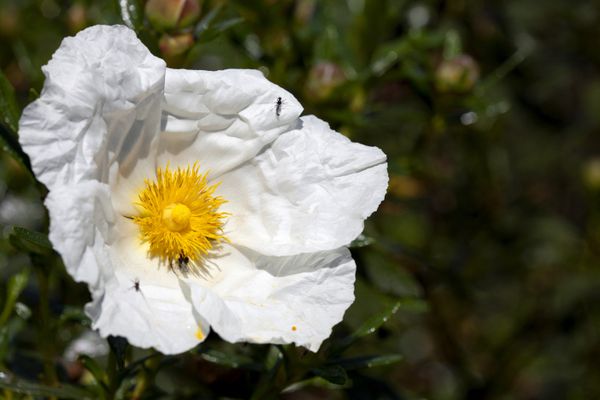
45, 331
111, 376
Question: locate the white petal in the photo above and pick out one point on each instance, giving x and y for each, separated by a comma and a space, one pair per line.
278, 299
100, 105
81, 220
221, 118
153, 316
309, 191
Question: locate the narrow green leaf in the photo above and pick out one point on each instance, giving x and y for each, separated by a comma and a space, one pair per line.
206, 21
16, 284
215, 31
35, 389
230, 360
375, 322
132, 14
8, 332
332, 373
267, 386
368, 327
95, 369
366, 361
75, 314
9, 110
30, 241
361, 241
10, 145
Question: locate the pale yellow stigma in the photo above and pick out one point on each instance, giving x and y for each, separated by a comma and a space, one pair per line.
176, 217
180, 217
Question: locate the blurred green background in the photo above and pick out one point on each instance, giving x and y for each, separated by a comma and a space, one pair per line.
478, 278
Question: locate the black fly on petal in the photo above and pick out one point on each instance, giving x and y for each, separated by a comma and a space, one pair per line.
278, 106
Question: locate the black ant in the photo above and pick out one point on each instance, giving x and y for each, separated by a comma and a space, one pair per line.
278, 106
136, 285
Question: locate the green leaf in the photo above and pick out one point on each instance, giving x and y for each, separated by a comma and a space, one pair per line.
9, 110
206, 21
216, 30
368, 327
75, 314
35, 389
367, 361
375, 322
361, 241
10, 145
95, 369
16, 284
332, 373
30, 241
230, 360
8, 332
271, 380
132, 14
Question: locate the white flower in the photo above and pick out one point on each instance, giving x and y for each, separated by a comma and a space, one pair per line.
289, 194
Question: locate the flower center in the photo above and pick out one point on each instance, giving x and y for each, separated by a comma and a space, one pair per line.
179, 216
176, 217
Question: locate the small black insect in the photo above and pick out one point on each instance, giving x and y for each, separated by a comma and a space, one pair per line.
278, 106
183, 262
136, 285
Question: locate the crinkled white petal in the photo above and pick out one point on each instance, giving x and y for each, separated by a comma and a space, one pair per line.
100, 104
81, 219
264, 299
221, 118
153, 316
309, 191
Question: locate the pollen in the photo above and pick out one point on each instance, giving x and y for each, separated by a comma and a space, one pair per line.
199, 334
180, 215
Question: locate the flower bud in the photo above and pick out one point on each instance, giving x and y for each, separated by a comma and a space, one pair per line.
76, 17
173, 47
458, 74
169, 14
323, 78
9, 20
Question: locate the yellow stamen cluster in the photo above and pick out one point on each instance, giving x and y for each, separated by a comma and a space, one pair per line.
180, 215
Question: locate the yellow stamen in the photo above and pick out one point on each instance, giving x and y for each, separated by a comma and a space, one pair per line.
180, 215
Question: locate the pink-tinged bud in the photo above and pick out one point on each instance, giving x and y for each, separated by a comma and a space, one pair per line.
305, 10
323, 78
591, 174
173, 47
9, 20
458, 74
169, 14
76, 17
